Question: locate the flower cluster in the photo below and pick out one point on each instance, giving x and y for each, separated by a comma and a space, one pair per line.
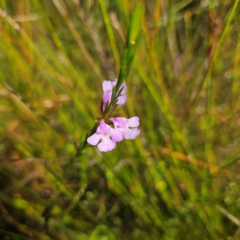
110, 129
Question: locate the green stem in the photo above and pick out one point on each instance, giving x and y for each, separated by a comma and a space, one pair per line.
84, 143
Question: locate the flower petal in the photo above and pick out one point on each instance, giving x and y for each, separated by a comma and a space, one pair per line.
124, 86
94, 139
122, 99
131, 133
103, 128
106, 98
107, 85
133, 122
114, 82
119, 121
116, 135
106, 145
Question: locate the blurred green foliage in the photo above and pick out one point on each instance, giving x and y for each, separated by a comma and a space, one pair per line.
178, 180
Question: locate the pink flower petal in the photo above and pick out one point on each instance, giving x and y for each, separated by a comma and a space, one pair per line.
119, 121
127, 126
94, 139
114, 82
124, 86
106, 98
116, 135
106, 145
107, 89
107, 85
122, 99
133, 122
103, 128
131, 133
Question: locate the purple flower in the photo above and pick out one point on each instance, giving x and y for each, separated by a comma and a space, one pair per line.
127, 126
107, 95
108, 136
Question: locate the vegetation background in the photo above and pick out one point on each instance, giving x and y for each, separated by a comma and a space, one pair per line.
178, 180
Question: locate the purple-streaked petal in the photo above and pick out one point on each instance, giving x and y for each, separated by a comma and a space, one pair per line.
94, 139
131, 133
106, 145
133, 122
116, 135
103, 128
